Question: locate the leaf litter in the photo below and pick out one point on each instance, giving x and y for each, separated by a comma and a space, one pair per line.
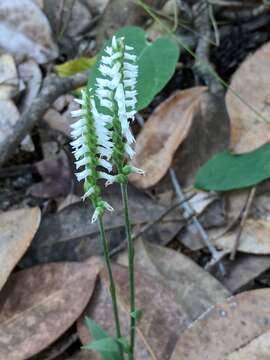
164, 131
28, 324
179, 297
160, 325
14, 243
226, 328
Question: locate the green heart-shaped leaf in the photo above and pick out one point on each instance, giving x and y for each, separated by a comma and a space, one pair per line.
227, 171
156, 61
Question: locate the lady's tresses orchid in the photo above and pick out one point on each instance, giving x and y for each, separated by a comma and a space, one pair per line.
103, 139
92, 147
116, 91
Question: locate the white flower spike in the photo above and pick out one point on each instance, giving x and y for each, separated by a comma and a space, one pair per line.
116, 91
116, 86
92, 148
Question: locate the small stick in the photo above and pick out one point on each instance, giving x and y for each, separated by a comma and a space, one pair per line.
243, 221
148, 226
200, 230
189, 211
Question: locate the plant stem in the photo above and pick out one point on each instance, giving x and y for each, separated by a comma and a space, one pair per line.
130, 271
111, 282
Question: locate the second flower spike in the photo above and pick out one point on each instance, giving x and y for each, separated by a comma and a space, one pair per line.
116, 91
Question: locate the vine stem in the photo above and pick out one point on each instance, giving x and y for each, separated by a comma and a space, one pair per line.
111, 281
130, 271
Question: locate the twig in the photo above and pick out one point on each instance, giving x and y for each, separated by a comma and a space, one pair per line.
243, 221
189, 212
185, 8
202, 64
247, 15
149, 225
64, 23
214, 24
214, 261
161, 216
52, 88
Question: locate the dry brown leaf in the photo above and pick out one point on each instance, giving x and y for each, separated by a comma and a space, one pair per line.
17, 229
195, 289
206, 138
251, 81
40, 304
59, 240
162, 134
57, 121
56, 177
226, 328
243, 270
257, 349
162, 322
254, 238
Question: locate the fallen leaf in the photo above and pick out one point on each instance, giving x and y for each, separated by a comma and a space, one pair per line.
61, 121
25, 31
226, 328
206, 137
56, 177
162, 322
74, 66
257, 349
162, 134
227, 171
67, 201
251, 82
39, 304
213, 217
69, 20
195, 289
17, 229
243, 270
8, 77
70, 235
254, 238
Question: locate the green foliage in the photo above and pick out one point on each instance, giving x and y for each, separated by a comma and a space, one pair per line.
137, 314
157, 62
95, 330
105, 345
72, 67
123, 341
226, 171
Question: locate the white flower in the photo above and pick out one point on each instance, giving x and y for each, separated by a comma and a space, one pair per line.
117, 83
92, 146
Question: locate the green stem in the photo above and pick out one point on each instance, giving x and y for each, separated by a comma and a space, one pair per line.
130, 271
111, 281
